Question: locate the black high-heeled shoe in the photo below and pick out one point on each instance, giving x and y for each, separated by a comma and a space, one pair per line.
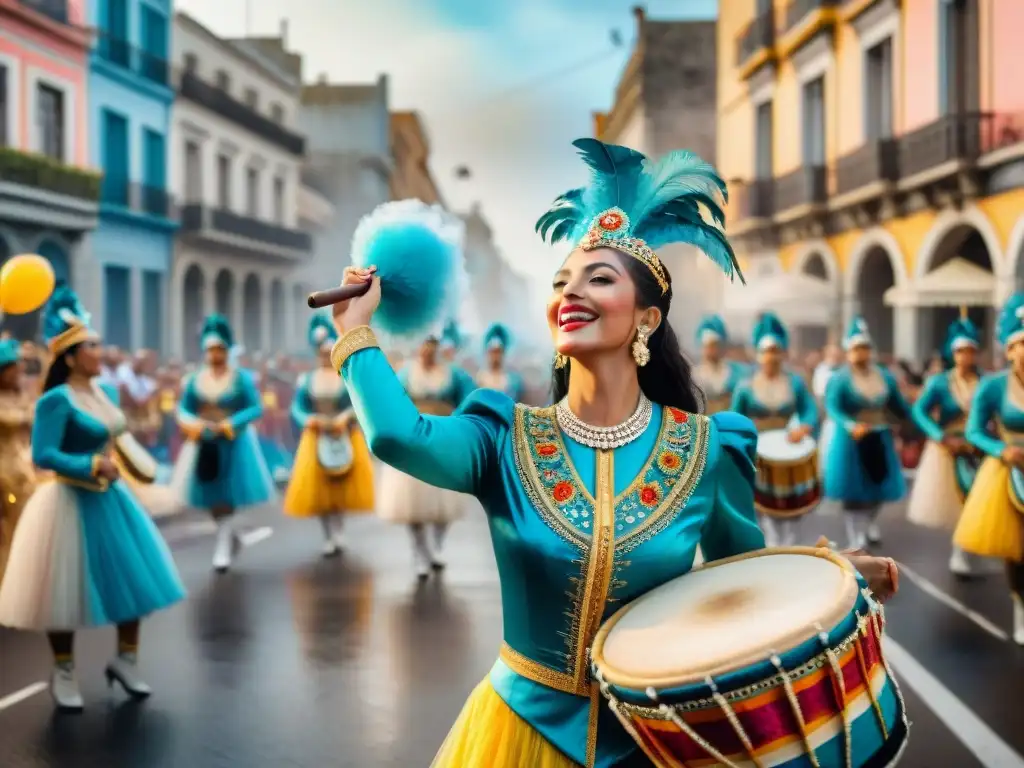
134, 688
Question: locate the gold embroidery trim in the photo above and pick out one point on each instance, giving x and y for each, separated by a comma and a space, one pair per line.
360, 337
595, 710
535, 671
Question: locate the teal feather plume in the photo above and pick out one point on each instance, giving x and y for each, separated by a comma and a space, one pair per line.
218, 325
497, 332
770, 325
1011, 318
62, 311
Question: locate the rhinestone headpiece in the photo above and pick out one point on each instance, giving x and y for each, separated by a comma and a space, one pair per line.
610, 229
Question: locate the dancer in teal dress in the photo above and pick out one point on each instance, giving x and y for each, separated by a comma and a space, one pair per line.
863, 470
948, 463
85, 553
597, 499
494, 374
449, 345
717, 376
221, 467
787, 486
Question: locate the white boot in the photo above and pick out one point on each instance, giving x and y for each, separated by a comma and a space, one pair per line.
440, 531
330, 545
224, 550
64, 688
420, 550
855, 535
123, 669
1018, 620
874, 534
959, 564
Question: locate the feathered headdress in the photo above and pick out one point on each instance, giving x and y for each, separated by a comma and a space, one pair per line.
770, 332
961, 333
10, 352
321, 331
1011, 320
711, 328
635, 205
858, 334
450, 336
216, 332
497, 336
65, 321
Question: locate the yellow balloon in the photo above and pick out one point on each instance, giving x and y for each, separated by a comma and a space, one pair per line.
26, 282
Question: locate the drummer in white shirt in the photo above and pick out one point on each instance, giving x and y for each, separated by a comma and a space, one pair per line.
786, 416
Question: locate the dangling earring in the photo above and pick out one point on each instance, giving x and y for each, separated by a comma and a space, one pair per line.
561, 360
641, 354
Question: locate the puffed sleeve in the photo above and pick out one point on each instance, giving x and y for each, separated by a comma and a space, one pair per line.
456, 452
930, 398
806, 408
985, 407
53, 412
301, 409
731, 528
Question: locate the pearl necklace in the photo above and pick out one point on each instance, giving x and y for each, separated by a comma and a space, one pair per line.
605, 438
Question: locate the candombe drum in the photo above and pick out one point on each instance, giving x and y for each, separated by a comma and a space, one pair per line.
768, 659
787, 475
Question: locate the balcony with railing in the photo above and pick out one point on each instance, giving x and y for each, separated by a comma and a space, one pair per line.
949, 141
802, 20
876, 161
57, 10
755, 44
805, 186
48, 175
244, 232
122, 54
242, 115
138, 198
753, 200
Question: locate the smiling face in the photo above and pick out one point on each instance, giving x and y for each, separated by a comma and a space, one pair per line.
593, 306
216, 355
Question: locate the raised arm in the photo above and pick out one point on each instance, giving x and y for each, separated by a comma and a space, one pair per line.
455, 452
930, 399
985, 408
731, 528
53, 412
806, 408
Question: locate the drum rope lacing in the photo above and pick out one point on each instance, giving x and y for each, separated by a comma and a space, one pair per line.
605, 438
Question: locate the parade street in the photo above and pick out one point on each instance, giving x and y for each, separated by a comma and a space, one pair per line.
294, 661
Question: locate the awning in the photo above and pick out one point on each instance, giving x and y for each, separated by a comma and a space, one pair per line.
957, 283
797, 298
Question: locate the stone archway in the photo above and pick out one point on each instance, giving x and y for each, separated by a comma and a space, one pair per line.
278, 317
875, 277
252, 315
223, 295
193, 288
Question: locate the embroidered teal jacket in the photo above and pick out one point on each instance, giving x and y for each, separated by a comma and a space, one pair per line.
577, 533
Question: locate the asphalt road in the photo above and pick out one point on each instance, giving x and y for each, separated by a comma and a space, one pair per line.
291, 661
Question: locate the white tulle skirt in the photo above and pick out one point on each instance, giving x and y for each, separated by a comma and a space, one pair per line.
935, 499
404, 499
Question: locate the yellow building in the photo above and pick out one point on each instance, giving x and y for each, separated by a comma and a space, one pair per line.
874, 154
411, 177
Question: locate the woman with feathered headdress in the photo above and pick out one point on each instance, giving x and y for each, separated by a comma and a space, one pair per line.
85, 553
717, 376
449, 345
787, 460
625, 429
221, 467
948, 463
863, 470
17, 475
333, 472
494, 374
992, 521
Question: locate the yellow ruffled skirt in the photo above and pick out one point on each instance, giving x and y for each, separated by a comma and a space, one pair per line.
488, 734
312, 492
990, 525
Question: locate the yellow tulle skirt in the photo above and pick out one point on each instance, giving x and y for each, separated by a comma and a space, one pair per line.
312, 492
488, 734
990, 525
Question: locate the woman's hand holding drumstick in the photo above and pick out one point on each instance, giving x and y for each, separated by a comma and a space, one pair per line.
357, 311
881, 573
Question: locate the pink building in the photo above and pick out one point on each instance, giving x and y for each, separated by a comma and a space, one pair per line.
48, 195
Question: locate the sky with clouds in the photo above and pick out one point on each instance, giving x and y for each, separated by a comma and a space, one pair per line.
504, 86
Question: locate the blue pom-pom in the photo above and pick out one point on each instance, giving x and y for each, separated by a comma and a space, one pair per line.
417, 250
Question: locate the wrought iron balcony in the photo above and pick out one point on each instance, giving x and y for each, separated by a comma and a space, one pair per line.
755, 200
54, 9
798, 10
219, 101
141, 198
874, 162
122, 53
804, 186
962, 137
756, 36
41, 172
248, 232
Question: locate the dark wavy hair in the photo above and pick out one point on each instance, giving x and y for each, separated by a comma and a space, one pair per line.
59, 370
668, 378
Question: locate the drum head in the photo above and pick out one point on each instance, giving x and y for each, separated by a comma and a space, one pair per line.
774, 445
724, 617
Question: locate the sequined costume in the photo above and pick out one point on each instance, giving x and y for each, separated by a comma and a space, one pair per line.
17, 474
